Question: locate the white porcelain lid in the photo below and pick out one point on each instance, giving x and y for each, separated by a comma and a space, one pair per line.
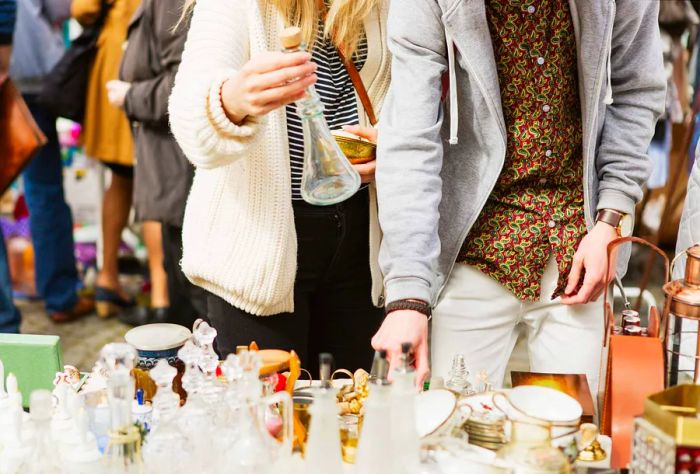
545, 403
158, 337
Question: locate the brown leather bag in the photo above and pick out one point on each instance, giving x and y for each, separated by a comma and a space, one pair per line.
20, 136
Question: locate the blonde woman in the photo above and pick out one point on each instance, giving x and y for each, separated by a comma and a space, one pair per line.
279, 271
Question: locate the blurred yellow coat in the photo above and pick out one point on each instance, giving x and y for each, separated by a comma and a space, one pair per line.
106, 130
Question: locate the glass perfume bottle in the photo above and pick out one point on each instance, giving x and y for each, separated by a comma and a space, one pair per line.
123, 453
212, 390
458, 379
328, 177
44, 457
323, 454
165, 449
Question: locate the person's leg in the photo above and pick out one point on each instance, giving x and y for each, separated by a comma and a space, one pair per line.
343, 318
115, 213
9, 315
477, 317
237, 328
50, 219
565, 339
187, 301
153, 240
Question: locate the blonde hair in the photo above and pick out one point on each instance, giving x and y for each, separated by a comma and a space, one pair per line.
344, 23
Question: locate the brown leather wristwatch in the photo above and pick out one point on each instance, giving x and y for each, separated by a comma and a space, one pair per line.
622, 223
414, 305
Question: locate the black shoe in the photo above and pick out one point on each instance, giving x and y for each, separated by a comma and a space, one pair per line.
140, 315
109, 302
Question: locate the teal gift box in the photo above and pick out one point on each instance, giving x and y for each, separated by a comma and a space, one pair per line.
34, 360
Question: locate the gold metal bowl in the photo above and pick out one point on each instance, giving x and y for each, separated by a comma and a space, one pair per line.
357, 150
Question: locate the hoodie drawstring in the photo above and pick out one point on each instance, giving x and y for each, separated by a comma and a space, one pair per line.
454, 106
608, 100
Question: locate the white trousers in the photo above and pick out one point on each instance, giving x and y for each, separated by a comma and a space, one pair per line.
478, 317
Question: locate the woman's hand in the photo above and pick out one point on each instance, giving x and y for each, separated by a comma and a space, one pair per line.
116, 92
266, 82
366, 170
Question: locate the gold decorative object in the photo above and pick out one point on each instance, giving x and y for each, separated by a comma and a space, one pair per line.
590, 449
357, 150
673, 411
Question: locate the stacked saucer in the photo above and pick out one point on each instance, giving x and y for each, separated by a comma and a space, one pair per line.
487, 429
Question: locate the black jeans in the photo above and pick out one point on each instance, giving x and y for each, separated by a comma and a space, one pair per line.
187, 301
333, 310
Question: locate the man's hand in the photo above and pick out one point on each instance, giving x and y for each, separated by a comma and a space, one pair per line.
405, 326
591, 256
116, 92
366, 170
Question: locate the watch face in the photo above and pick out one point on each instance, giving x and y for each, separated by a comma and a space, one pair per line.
626, 225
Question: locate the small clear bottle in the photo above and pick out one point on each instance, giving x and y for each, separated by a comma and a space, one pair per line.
404, 435
328, 177
458, 379
323, 452
374, 448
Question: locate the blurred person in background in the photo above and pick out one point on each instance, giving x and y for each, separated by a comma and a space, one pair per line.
107, 138
38, 45
162, 174
9, 315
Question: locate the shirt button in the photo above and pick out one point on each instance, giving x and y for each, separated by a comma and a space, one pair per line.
551, 224
540, 60
531, 9
546, 108
548, 153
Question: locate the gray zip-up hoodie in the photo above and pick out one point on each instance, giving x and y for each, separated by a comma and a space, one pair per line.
436, 168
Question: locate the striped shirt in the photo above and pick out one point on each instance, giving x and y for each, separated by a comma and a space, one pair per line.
8, 10
337, 94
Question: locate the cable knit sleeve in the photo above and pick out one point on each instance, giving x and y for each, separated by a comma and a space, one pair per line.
216, 48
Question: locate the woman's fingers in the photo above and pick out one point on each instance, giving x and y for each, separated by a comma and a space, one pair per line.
274, 61
283, 94
368, 133
281, 77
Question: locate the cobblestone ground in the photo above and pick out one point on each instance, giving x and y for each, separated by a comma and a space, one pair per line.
81, 340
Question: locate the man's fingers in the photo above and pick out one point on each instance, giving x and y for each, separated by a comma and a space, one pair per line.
273, 61
422, 363
574, 275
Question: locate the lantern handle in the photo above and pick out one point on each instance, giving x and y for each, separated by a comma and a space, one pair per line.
675, 259
609, 315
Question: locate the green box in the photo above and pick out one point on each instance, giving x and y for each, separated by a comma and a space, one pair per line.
34, 359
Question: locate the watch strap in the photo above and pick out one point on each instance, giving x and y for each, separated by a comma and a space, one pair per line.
610, 217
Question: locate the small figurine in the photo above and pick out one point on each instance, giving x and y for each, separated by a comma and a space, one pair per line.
589, 447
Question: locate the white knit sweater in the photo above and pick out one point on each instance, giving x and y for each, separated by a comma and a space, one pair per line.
239, 239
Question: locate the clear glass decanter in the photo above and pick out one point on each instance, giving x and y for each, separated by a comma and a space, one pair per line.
328, 177
254, 450
165, 449
195, 420
212, 390
44, 457
123, 453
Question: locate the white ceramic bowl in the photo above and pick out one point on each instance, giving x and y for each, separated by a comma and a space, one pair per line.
434, 410
545, 404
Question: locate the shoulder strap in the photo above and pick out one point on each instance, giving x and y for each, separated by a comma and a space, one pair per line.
353, 73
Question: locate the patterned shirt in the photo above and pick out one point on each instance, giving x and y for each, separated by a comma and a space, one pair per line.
337, 94
535, 211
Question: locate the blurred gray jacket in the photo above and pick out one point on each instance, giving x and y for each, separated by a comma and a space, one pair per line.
38, 42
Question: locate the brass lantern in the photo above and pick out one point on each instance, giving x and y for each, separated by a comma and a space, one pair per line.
683, 309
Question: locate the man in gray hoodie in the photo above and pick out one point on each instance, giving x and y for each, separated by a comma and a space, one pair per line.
497, 212
38, 45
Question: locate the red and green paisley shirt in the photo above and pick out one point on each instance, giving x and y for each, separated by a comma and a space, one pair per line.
535, 211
